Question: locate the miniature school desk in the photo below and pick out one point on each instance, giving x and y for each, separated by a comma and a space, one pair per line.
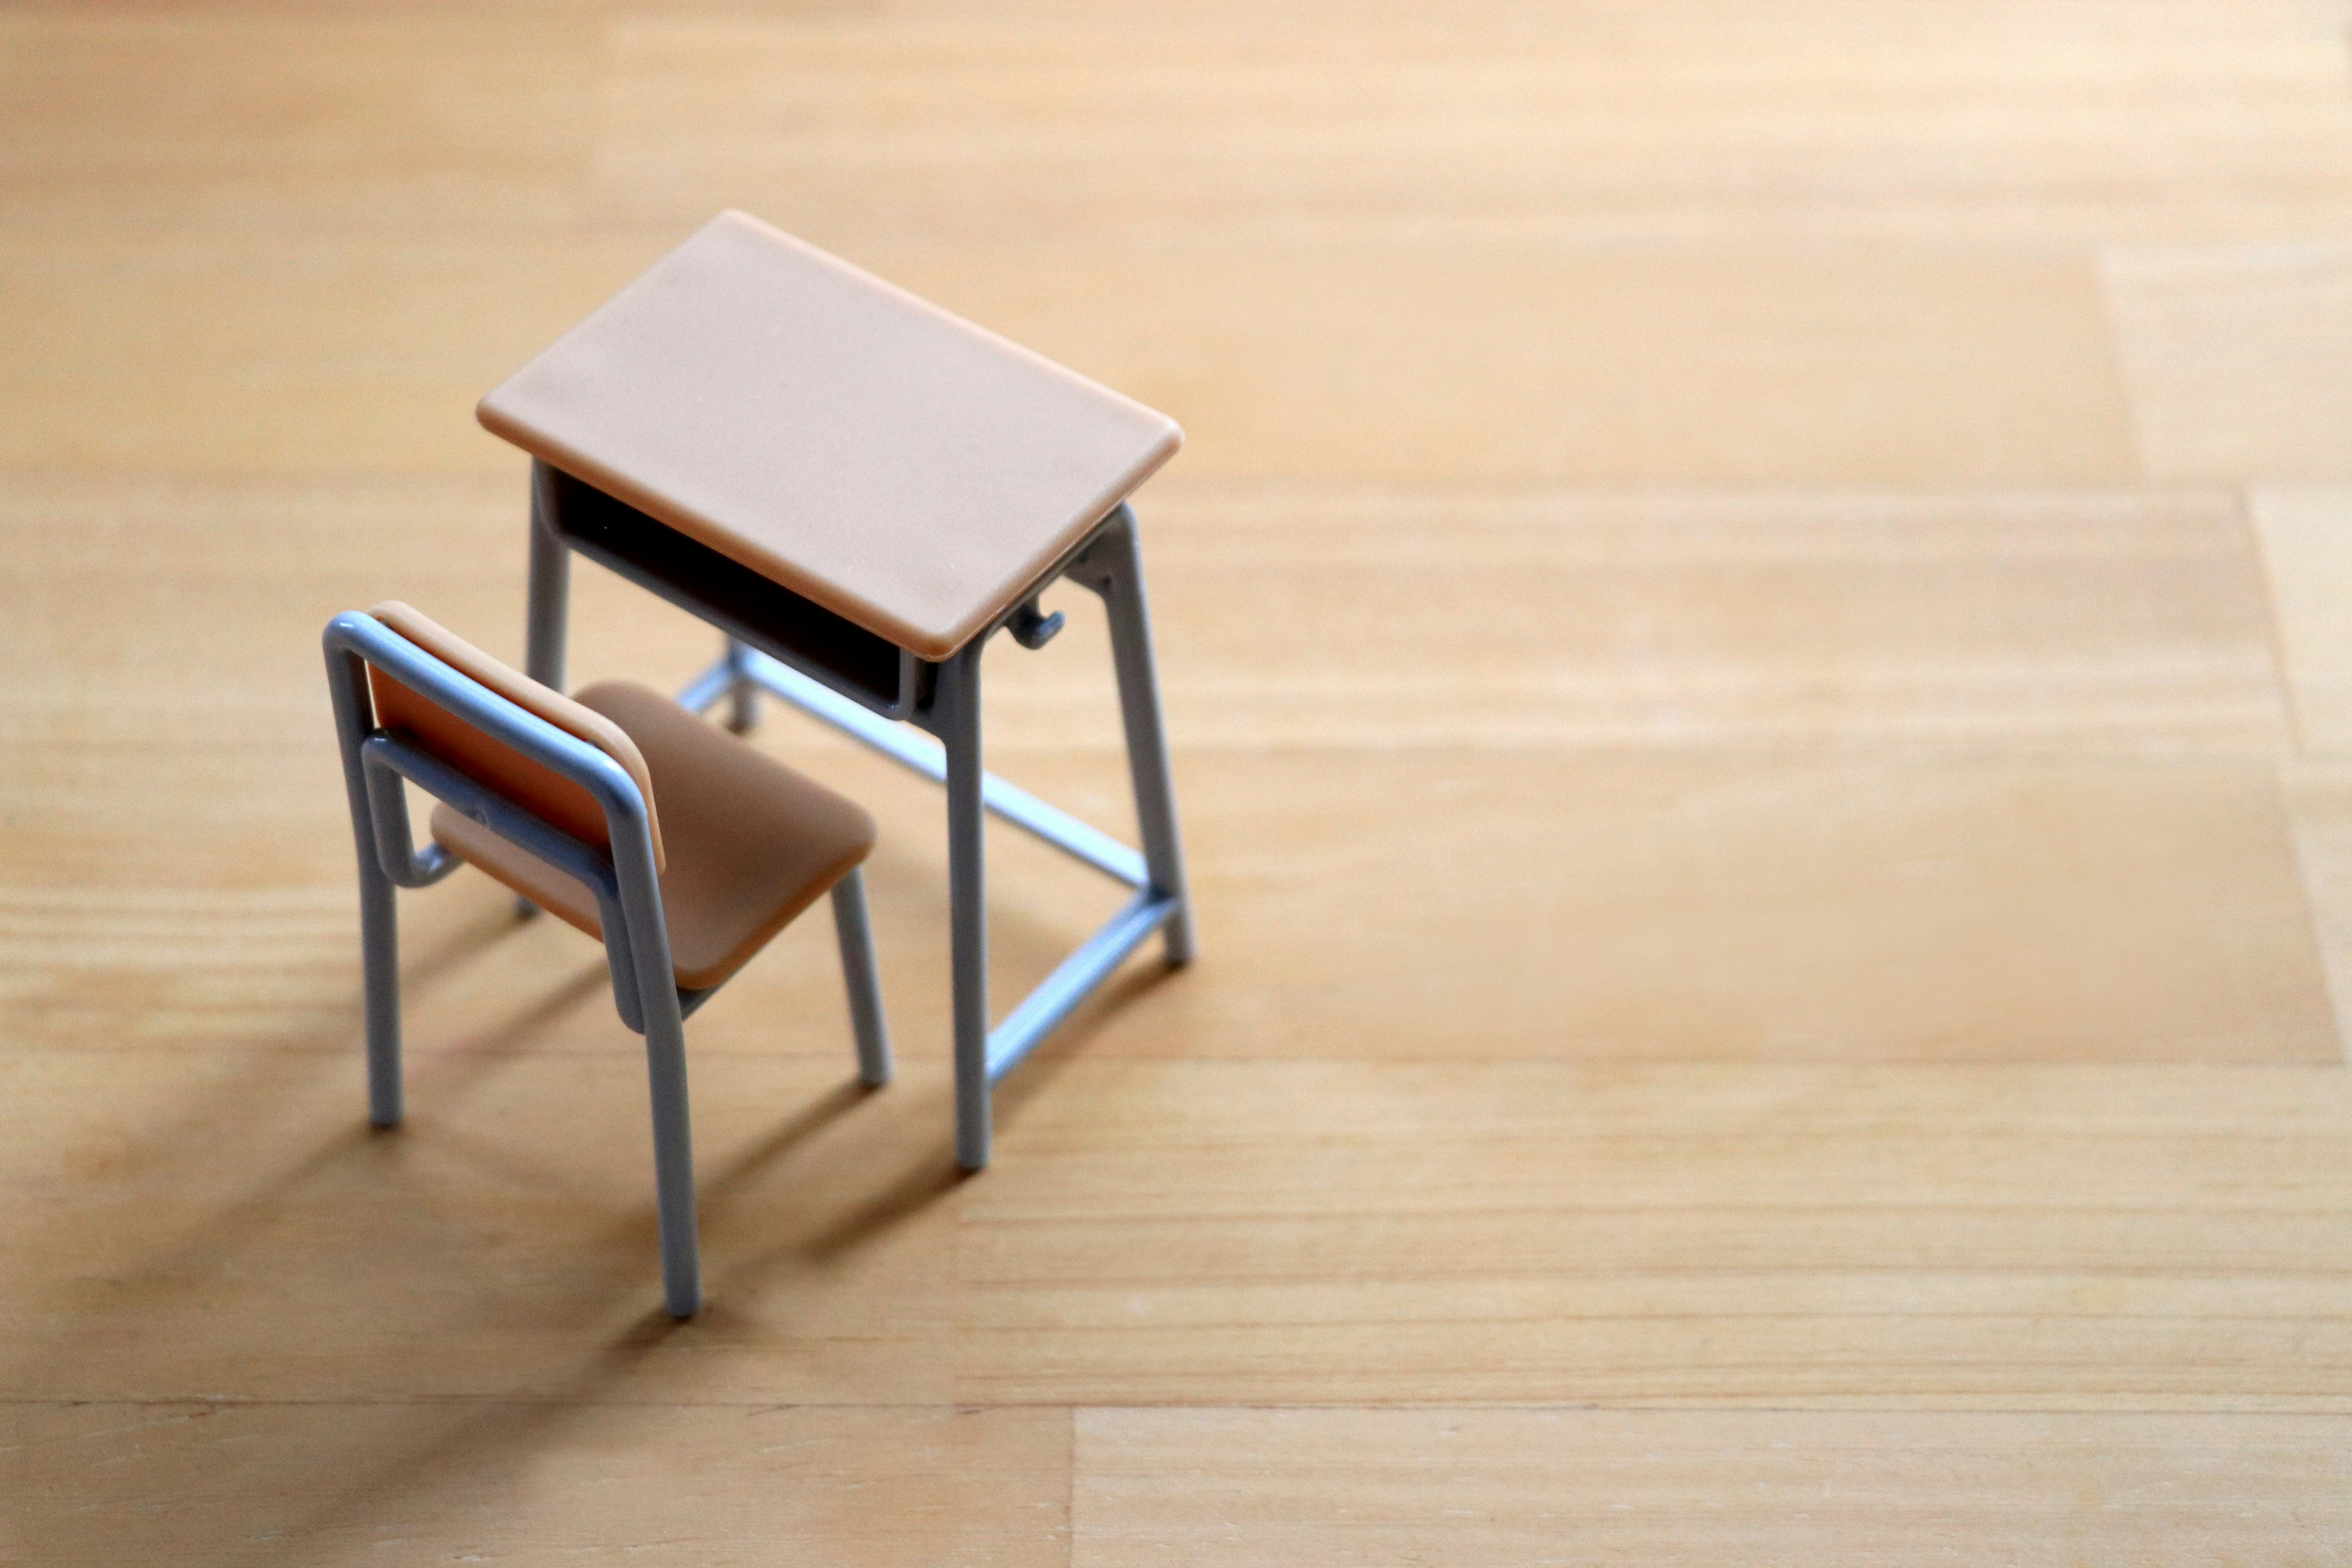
860, 490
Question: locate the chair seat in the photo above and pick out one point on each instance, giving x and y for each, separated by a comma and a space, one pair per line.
751, 843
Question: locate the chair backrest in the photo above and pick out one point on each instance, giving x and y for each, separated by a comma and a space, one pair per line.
488, 760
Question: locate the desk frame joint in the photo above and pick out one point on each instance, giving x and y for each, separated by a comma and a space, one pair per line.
1109, 561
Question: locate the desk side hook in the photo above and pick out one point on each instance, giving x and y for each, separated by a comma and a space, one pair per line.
1032, 628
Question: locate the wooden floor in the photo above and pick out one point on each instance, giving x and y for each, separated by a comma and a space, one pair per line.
1755, 619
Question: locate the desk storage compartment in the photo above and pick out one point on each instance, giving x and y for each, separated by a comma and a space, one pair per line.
733, 596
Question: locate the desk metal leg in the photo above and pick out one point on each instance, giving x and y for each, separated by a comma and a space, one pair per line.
958, 714
551, 600
742, 691
1113, 566
551, 583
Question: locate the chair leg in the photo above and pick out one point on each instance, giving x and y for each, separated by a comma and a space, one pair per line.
347, 685
673, 1153
380, 960
857, 971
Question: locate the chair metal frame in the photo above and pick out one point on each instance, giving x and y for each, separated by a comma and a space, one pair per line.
1107, 560
623, 878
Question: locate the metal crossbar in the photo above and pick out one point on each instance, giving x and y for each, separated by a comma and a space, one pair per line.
915, 750
1076, 976
1074, 980
1107, 562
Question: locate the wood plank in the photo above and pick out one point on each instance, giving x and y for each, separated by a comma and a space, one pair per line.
2102, 622
1566, 362
1439, 618
303, 1484
1663, 572
2319, 803
208, 1225
1384, 905
2233, 358
2306, 540
268, 126
1505, 1487
1403, 895
311, 354
2001, 1239
187, 1225
1661, 121
1519, 361
1353, 904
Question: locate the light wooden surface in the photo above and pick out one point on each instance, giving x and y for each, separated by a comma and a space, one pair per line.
1752, 626
916, 474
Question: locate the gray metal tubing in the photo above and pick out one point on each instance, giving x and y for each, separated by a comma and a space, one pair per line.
1074, 980
705, 690
533, 737
380, 960
363, 636
958, 711
855, 933
1113, 566
387, 756
665, 1026
352, 641
926, 757
638, 903
742, 691
396, 842
551, 600
379, 918
636, 945
551, 583
385, 753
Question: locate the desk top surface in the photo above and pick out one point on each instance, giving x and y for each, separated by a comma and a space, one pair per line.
897, 464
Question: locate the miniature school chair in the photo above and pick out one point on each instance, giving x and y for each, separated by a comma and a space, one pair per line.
681, 846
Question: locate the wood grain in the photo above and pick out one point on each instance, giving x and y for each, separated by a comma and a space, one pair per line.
1499, 903
2232, 357
1522, 360
1434, 618
1996, 1238
191, 119
1659, 121
300, 1484
2306, 537
1552, 1485
1750, 625
189, 1224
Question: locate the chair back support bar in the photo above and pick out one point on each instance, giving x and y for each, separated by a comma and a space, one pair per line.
620, 866
480, 755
